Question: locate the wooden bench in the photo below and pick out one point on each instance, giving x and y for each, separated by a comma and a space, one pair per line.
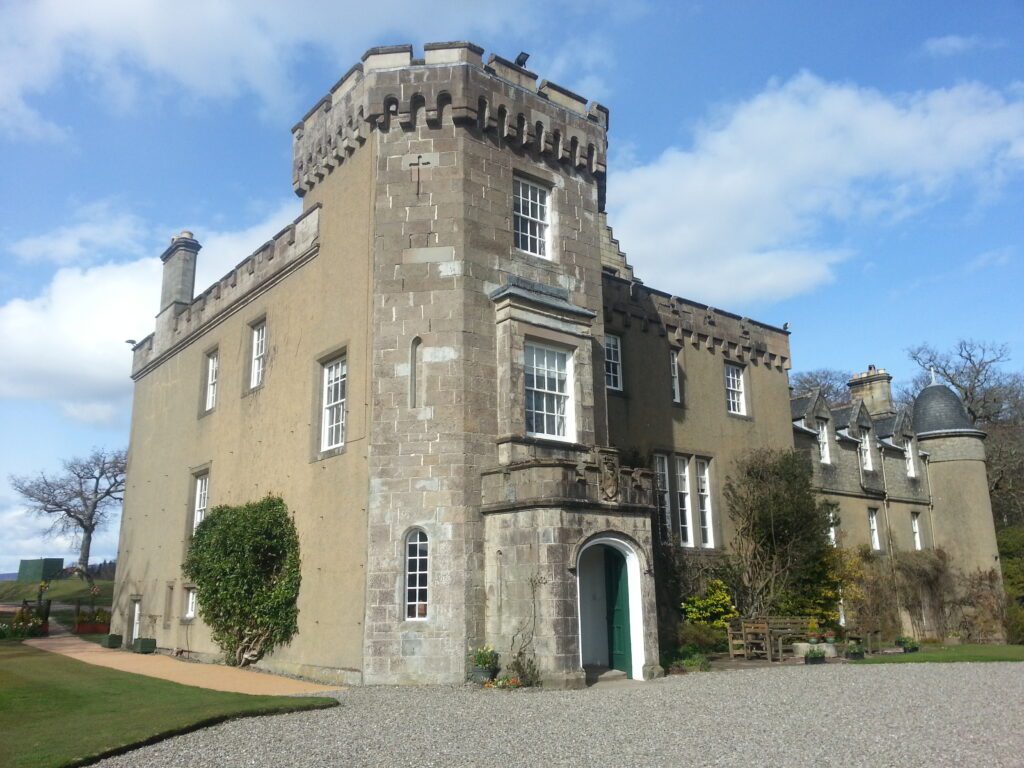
734, 637
757, 639
785, 630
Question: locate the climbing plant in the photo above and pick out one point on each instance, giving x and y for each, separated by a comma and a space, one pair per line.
244, 561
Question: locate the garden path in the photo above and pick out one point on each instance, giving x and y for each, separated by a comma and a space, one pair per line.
213, 676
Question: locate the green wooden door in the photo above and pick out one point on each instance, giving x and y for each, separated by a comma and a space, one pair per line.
617, 601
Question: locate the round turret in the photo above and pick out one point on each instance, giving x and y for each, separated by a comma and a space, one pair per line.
938, 410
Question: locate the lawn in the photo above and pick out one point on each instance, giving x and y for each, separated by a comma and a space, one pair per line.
60, 591
949, 653
56, 711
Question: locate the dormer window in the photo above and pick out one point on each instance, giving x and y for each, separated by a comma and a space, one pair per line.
865, 449
823, 450
908, 452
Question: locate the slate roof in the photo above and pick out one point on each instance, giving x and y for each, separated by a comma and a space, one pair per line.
798, 405
938, 409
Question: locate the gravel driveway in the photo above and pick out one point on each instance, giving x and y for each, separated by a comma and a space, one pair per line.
837, 715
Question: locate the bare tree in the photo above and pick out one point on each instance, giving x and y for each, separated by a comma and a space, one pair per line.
830, 381
80, 500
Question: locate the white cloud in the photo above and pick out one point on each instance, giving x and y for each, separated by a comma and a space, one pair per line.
99, 230
67, 343
25, 538
752, 196
215, 49
954, 45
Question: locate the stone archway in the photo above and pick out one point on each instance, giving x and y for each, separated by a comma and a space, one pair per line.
610, 609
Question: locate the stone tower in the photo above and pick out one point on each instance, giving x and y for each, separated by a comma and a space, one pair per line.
461, 301
962, 518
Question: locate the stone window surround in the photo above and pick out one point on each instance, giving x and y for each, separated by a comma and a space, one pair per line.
613, 351
194, 473
330, 401
543, 221
740, 378
874, 535
190, 594
518, 323
553, 182
316, 377
570, 389
675, 454
205, 408
407, 539
824, 441
864, 452
673, 370
250, 329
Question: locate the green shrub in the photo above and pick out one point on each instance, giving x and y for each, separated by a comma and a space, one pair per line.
245, 564
714, 608
700, 638
697, 663
485, 657
1014, 622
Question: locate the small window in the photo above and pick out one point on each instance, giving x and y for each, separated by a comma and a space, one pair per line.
416, 574
876, 543
191, 603
673, 369
832, 538
530, 217
259, 354
734, 399
908, 452
683, 500
549, 404
332, 419
212, 364
661, 492
613, 362
707, 534
202, 491
915, 527
865, 449
823, 443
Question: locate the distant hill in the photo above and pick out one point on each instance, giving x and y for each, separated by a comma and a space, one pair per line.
8, 576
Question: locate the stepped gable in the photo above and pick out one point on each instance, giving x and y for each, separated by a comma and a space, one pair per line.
389, 87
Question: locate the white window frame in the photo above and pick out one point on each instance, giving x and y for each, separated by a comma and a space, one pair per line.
191, 602
259, 354
662, 495
824, 450
915, 528
876, 542
202, 498
909, 455
735, 395
865, 450
333, 392
832, 534
673, 362
567, 398
417, 566
613, 362
683, 501
704, 508
212, 369
531, 211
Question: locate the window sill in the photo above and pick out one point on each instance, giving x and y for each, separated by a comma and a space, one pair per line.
620, 392
207, 412
521, 252
544, 442
740, 416
253, 390
330, 453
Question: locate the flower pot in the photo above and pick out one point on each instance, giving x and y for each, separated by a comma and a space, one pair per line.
814, 659
91, 628
112, 641
909, 649
855, 655
144, 645
481, 675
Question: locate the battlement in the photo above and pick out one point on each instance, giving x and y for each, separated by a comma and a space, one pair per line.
685, 321
389, 89
287, 250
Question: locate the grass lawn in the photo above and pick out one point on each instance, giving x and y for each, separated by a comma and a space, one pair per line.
60, 591
948, 653
55, 711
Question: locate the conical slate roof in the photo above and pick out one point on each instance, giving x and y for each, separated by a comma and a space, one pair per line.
938, 409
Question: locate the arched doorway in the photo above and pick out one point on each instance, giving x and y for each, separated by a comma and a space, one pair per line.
610, 611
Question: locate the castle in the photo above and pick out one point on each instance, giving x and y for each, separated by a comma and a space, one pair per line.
442, 366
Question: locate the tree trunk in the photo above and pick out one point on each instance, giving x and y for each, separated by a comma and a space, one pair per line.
83, 553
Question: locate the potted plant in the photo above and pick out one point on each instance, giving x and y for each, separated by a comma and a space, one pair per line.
484, 664
911, 647
854, 651
903, 641
815, 656
112, 641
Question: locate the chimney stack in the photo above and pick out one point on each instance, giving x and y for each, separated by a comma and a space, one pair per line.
874, 387
179, 280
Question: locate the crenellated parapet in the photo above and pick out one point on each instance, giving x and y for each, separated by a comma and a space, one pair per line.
390, 90
683, 321
176, 327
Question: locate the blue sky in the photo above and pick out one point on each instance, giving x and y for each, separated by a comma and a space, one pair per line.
856, 170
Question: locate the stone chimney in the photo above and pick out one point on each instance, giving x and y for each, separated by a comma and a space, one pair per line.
874, 387
179, 281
